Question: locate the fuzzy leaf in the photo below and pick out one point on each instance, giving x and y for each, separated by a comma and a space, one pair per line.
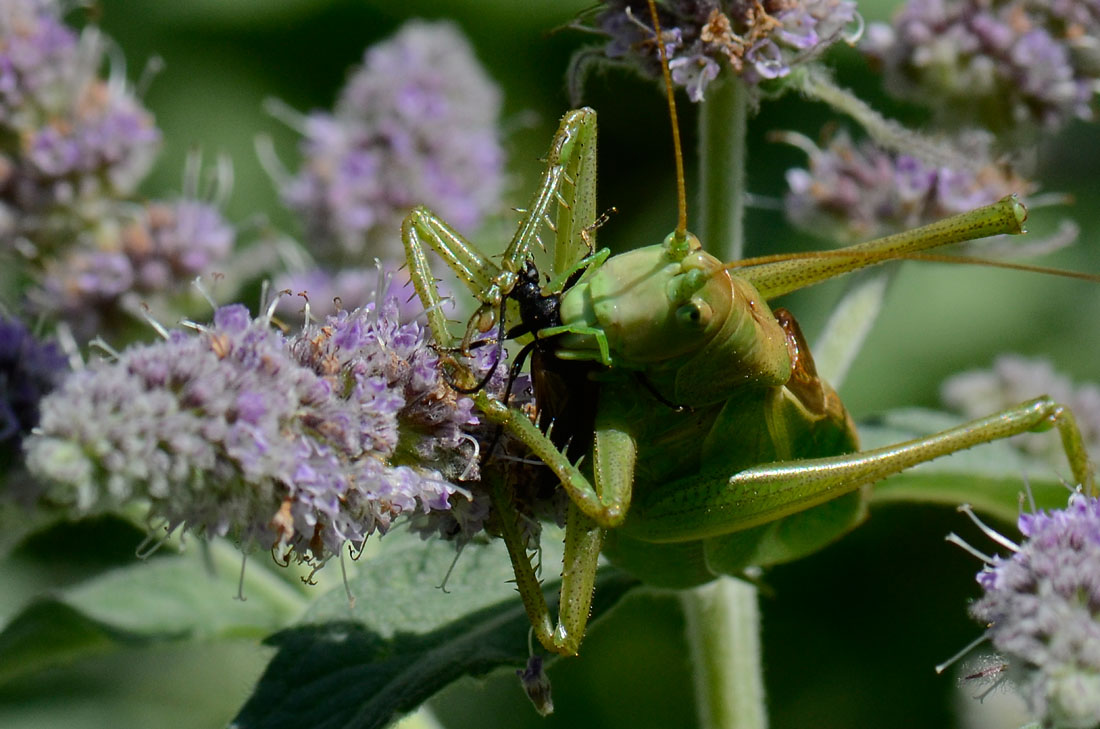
404, 640
170, 598
991, 476
850, 322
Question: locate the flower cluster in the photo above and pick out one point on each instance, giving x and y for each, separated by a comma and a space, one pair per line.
156, 248
1014, 379
73, 148
417, 124
1040, 606
854, 191
70, 141
28, 370
298, 444
1001, 63
760, 41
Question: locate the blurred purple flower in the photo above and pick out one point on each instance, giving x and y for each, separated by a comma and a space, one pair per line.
417, 124
69, 140
36, 55
1014, 379
853, 191
155, 250
1007, 64
174, 242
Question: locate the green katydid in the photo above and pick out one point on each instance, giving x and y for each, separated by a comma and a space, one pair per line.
712, 443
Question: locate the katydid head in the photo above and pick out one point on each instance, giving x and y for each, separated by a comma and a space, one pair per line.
682, 319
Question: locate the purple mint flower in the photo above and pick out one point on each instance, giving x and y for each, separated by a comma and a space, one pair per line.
298, 443
759, 41
108, 133
36, 55
1040, 605
174, 242
417, 124
1014, 379
154, 251
1008, 65
854, 191
694, 74
71, 142
28, 370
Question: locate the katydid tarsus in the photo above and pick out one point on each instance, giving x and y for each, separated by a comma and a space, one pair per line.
711, 444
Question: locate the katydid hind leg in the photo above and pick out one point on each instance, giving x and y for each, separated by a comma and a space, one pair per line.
710, 505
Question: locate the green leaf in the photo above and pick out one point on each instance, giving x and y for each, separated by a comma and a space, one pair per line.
170, 598
404, 639
850, 322
992, 477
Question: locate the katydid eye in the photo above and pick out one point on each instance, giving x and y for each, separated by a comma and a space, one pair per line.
694, 314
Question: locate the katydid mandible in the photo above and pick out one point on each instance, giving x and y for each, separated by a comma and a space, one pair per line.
711, 444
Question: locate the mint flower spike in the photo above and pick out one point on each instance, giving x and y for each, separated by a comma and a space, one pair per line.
1040, 606
1013, 378
138, 254
852, 191
759, 41
297, 444
71, 140
418, 123
1009, 65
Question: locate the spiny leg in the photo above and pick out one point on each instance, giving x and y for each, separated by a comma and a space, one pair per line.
568, 182
713, 504
583, 539
422, 230
607, 512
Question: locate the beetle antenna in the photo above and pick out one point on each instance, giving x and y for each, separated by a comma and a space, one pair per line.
681, 188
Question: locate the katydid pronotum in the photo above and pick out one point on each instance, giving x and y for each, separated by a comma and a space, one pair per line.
711, 444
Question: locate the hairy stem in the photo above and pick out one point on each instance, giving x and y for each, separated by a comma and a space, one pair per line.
887, 133
722, 124
723, 632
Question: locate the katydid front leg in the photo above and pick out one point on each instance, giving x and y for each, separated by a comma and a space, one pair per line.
590, 509
568, 185
711, 504
583, 540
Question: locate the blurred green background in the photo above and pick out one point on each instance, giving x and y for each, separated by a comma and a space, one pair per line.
851, 635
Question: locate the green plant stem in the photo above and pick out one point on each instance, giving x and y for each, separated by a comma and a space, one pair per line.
723, 633
722, 123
